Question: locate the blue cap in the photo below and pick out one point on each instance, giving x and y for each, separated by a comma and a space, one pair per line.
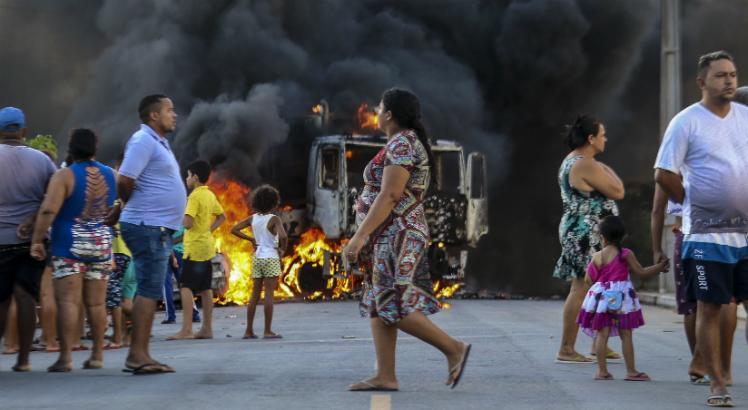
11, 119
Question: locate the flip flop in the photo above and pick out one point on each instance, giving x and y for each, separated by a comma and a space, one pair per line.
249, 337
92, 364
80, 348
366, 386
704, 380
639, 377
17, 368
60, 369
611, 355
273, 337
460, 368
152, 368
720, 400
112, 346
606, 377
578, 359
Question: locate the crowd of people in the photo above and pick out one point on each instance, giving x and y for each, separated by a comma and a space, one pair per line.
112, 238
700, 174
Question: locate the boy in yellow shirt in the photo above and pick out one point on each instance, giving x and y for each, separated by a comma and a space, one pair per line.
203, 215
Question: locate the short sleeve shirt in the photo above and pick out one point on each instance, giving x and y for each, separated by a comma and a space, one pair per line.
712, 155
24, 175
203, 207
159, 195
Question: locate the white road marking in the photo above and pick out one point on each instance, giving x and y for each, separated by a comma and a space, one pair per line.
381, 402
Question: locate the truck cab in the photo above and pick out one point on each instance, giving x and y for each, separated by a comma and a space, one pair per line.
457, 209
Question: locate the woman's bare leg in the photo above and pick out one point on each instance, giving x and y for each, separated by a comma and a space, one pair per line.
572, 306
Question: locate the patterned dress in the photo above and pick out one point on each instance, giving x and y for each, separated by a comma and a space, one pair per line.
578, 231
395, 258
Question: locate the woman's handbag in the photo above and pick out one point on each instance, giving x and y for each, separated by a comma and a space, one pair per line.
614, 298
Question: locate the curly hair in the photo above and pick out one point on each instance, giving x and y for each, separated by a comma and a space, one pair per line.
264, 199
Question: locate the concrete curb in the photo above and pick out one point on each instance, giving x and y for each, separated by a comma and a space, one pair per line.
667, 300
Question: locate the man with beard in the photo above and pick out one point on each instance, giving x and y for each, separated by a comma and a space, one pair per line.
152, 202
703, 164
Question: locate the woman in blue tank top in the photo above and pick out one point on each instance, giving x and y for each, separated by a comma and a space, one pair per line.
78, 200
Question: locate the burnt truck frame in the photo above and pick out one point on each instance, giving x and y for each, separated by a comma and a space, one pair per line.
457, 209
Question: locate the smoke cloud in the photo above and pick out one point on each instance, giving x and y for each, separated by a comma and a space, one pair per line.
498, 76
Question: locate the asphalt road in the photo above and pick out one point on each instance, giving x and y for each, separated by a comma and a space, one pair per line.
326, 346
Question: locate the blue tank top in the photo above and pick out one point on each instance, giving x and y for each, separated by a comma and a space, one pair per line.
78, 231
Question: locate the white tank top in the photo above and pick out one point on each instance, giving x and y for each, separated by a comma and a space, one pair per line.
267, 243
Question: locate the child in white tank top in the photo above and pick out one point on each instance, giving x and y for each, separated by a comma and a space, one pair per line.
270, 240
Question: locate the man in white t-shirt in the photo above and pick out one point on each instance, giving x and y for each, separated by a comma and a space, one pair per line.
709, 142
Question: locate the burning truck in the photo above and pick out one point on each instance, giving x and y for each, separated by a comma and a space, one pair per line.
320, 222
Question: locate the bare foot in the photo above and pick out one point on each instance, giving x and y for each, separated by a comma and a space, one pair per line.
10, 350
271, 335
181, 336
204, 334
60, 367
374, 383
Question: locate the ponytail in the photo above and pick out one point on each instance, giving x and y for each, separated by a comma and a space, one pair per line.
420, 130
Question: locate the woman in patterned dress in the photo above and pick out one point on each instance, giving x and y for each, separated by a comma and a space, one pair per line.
392, 240
588, 191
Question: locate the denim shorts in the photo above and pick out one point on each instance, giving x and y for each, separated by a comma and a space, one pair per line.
150, 247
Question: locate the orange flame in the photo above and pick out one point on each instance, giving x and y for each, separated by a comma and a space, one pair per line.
317, 109
310, 250
367, 119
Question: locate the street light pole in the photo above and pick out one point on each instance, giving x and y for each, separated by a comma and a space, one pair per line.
670, 101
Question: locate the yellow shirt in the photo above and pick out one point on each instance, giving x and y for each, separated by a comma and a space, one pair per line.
118, 244
203, 207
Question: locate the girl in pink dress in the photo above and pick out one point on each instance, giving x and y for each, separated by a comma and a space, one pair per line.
611, 307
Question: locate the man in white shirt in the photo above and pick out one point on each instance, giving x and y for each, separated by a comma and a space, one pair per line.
709, 142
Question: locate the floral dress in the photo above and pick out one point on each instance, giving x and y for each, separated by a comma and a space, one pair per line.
395, 258
578, 231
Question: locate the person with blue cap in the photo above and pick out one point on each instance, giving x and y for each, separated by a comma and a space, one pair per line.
25, 172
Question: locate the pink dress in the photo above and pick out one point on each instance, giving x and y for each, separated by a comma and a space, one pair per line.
594, 314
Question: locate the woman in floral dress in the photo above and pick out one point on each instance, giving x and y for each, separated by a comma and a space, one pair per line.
392, 240
588, 190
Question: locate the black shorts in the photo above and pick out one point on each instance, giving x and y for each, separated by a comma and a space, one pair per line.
716, 268
17, 267
197, 276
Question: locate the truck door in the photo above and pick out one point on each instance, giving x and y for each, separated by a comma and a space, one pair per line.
327, 190
477, 211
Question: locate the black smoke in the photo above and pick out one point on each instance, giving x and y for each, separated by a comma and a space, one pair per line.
498, 76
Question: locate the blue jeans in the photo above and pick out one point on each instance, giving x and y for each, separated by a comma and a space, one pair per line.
171, 313
150, 247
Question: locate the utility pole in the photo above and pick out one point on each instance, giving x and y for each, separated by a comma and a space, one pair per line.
670, 103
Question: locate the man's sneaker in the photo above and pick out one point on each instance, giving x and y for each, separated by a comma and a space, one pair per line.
168, 322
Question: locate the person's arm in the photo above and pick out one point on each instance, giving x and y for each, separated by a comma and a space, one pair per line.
659, 204
236, 230
137, 154
636, 267
192, 209
600, 178
218, 212
57, 191
188, 222
177, 239
671, 183
277, 228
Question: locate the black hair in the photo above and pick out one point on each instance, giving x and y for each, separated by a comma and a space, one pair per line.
149, 104
705, 61
406, 111
613, 230
578, 132
81, 145
264, 199
201, 169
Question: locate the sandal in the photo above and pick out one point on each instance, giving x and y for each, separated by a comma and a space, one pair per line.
576, 359
93, 364
604, 377
697, 380
720, 400
460, 367
366, 386
639, 377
